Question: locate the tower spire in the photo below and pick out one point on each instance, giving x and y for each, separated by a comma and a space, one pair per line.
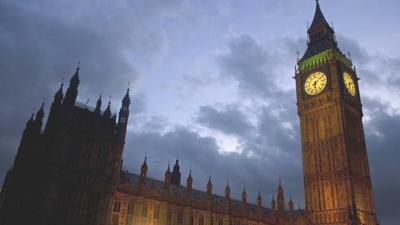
189, 182
143, 171
107, 112
319, 17
58, 97
72, 91
321, 36
227, 191
209, 188
98, 106
40, 113
124, 111
176, 174
167, 180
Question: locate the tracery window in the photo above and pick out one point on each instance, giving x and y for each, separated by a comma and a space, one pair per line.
116, 211
169, 215
129, 213
144, 210
191, 218
180, 216
156, 214
220, 221
201, 220
115, 219
117, 206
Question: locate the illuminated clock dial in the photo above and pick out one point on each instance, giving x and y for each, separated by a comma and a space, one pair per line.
349, 84
315, 83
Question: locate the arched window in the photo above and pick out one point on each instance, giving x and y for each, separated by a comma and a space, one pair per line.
116, 211
129, 213
220, 221
191, 218
156, 213
180, 216
144, 210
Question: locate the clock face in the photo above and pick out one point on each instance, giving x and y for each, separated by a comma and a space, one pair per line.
315, 83
349, 84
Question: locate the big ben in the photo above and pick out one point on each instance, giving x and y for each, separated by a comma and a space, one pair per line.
337, 180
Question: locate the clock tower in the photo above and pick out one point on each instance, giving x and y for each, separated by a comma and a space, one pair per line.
337, 180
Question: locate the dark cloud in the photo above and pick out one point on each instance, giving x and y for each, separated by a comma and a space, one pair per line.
382, 143
139, 103
201, 155
250, 65
353, 49
229, 120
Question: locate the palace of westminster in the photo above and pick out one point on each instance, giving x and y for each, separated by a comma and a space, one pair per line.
68, 170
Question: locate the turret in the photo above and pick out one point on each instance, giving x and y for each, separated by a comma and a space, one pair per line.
176, 174
281, 201
189, 183
124, 111
123, 121
291, 209
167, 180
40, 114
30, 122
97, 110
39, 118
107, 112
58, 97
72, 91
143, 171
209, 188
259, 201
273, 205
244, 197
227, 192
55, 108
290, 203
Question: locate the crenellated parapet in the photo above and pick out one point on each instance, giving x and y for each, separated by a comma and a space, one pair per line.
142, 190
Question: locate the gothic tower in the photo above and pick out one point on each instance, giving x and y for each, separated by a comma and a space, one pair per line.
176, 174
336, 173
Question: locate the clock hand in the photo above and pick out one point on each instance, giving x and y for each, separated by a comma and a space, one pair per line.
316, 82
319, 78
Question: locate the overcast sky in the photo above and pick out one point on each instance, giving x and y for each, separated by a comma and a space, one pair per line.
211, 82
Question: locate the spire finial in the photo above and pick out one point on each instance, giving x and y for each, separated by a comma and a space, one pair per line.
145, 160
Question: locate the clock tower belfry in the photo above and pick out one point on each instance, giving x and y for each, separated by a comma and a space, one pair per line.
337, 180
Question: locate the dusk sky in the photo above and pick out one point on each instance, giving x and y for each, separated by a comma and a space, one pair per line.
211, 82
